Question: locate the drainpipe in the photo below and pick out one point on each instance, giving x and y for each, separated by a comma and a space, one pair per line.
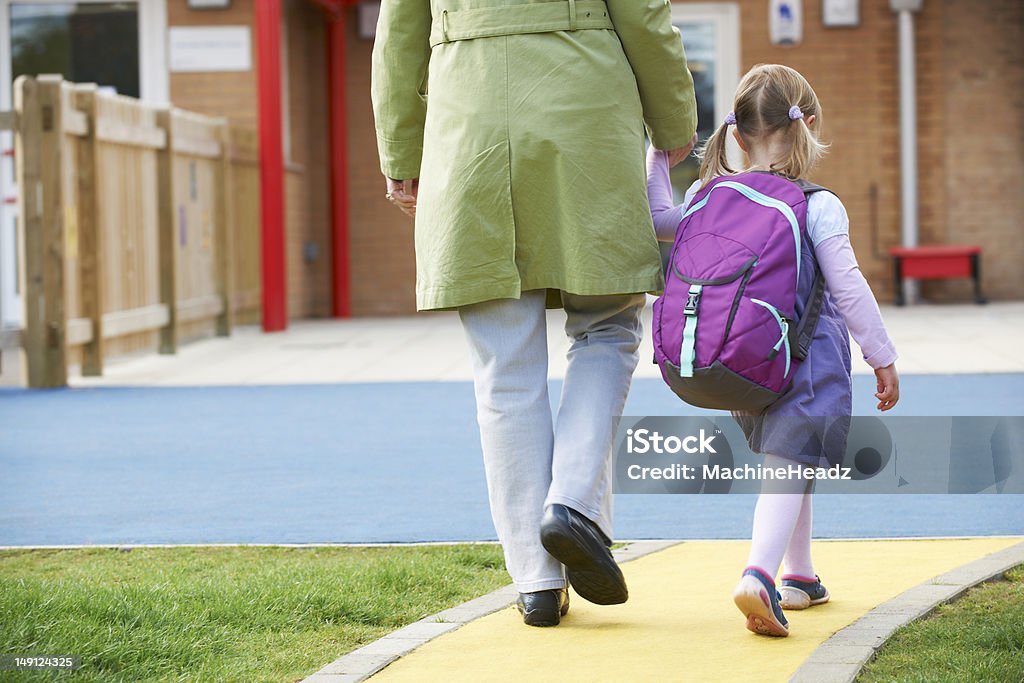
908, 129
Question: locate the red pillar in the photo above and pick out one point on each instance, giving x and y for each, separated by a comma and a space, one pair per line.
268, 69
336, 27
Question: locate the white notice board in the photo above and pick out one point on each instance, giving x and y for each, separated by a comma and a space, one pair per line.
210, 48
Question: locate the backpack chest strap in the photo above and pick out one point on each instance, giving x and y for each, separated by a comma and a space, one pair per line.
688, 351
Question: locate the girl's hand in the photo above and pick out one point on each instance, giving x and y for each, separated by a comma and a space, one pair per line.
402, 193
888, 387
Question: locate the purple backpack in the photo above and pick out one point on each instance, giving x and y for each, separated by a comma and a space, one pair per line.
725, 330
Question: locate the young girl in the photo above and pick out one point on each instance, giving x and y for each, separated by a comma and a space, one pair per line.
775, 120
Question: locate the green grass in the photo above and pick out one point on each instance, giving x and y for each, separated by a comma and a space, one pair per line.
980, 637
224, 614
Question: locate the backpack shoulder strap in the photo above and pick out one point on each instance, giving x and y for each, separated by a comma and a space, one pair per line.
810, 188
803, 333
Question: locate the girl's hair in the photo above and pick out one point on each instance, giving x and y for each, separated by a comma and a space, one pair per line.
765, 104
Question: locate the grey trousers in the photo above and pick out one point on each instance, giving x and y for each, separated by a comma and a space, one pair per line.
531, 459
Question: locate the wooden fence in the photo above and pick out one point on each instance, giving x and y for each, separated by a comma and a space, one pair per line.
244, 223
140, 225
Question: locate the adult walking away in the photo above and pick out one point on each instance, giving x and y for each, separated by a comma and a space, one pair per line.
524, 169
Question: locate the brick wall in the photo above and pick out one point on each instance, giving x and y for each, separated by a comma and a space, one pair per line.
984, 147
383, 268
219, 94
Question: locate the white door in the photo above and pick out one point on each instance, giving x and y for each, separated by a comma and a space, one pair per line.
711, 38
90, 41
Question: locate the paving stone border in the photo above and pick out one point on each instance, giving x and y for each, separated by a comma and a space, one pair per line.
841, 658
360, 664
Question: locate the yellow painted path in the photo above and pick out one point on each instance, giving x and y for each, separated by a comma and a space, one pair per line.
680, 624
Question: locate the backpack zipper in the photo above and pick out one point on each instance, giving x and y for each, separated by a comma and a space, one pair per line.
783, 327
764, 200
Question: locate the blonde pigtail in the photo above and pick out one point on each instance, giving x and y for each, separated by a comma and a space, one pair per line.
713, 158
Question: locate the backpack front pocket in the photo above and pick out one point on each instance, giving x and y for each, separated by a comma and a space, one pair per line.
706, 307
758, 344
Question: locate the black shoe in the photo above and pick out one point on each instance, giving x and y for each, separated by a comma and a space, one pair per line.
576, 542
543, 608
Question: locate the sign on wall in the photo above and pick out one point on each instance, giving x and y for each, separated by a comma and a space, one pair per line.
785, 22
210, 48
840, 12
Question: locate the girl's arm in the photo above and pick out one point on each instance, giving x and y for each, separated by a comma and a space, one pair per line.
856, 303
666, 215
829, 227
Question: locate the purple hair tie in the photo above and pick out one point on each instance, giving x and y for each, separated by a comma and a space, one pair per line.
795, 113
730, 119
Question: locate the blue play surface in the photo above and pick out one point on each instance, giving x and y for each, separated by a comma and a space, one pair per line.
387, 462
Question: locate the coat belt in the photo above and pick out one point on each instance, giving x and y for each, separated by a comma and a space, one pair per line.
531, 17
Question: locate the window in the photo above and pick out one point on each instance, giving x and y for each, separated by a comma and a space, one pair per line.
95, 42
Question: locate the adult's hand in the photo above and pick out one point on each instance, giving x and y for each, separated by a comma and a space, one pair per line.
677, 155
402, 193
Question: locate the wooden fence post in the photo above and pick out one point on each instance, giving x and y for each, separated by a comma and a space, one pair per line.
224, 218
167, 224
39, 166
90, 237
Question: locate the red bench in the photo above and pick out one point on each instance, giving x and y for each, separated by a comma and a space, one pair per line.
937, 262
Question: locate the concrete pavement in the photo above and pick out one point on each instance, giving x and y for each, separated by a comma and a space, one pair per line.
945, 339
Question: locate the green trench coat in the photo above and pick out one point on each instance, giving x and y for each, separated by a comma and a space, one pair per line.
530, 145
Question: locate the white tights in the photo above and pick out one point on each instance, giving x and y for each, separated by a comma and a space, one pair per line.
782, 529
